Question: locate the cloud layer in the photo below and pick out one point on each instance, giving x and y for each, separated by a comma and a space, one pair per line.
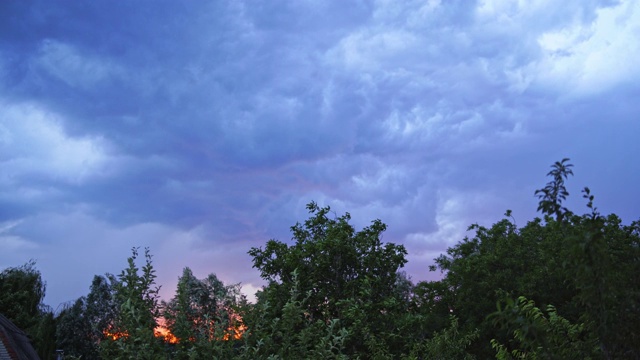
202, 129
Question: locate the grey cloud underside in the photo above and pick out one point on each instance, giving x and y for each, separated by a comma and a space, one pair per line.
235, 88
232, 115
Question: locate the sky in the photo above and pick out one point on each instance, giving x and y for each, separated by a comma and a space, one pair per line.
201, 129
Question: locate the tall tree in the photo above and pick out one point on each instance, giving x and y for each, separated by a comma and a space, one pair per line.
205, 317
74, 332
552, 195
293, 334
585, 266
102, 306
132, 334
22, 291
344, 274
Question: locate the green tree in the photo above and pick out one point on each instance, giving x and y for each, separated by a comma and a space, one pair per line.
346, 275
294, 334
21, 293
446, 344
74, 332
44, 335
602, 262
552, 195
602, 258
585, 266
205, 317
537, 335
102, 307
132, 334
497, 261
82, 325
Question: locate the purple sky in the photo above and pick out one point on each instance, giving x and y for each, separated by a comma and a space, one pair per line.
202, 128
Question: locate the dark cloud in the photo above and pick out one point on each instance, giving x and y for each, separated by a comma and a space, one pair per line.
203, 129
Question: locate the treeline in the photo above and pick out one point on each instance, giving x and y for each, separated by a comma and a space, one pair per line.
566, 286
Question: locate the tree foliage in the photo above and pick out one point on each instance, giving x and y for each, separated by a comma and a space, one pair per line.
74, 331
345, 274
537, 335
552, 195
337, 293
448, 343
294, 334
22, 291
585, 266
205, 316
131, 335
82, 325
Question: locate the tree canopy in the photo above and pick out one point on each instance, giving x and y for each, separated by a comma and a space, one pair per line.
342, 273
563, 286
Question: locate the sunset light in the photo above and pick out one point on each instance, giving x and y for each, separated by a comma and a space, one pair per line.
116, 335
164, 333
234, 332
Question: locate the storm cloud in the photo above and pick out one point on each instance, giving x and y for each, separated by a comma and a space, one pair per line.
201, 129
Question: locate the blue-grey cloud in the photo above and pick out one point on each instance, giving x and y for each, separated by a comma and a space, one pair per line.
202, 129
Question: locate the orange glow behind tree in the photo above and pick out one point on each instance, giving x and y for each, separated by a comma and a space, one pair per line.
115, 335
165, 334
235, 332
